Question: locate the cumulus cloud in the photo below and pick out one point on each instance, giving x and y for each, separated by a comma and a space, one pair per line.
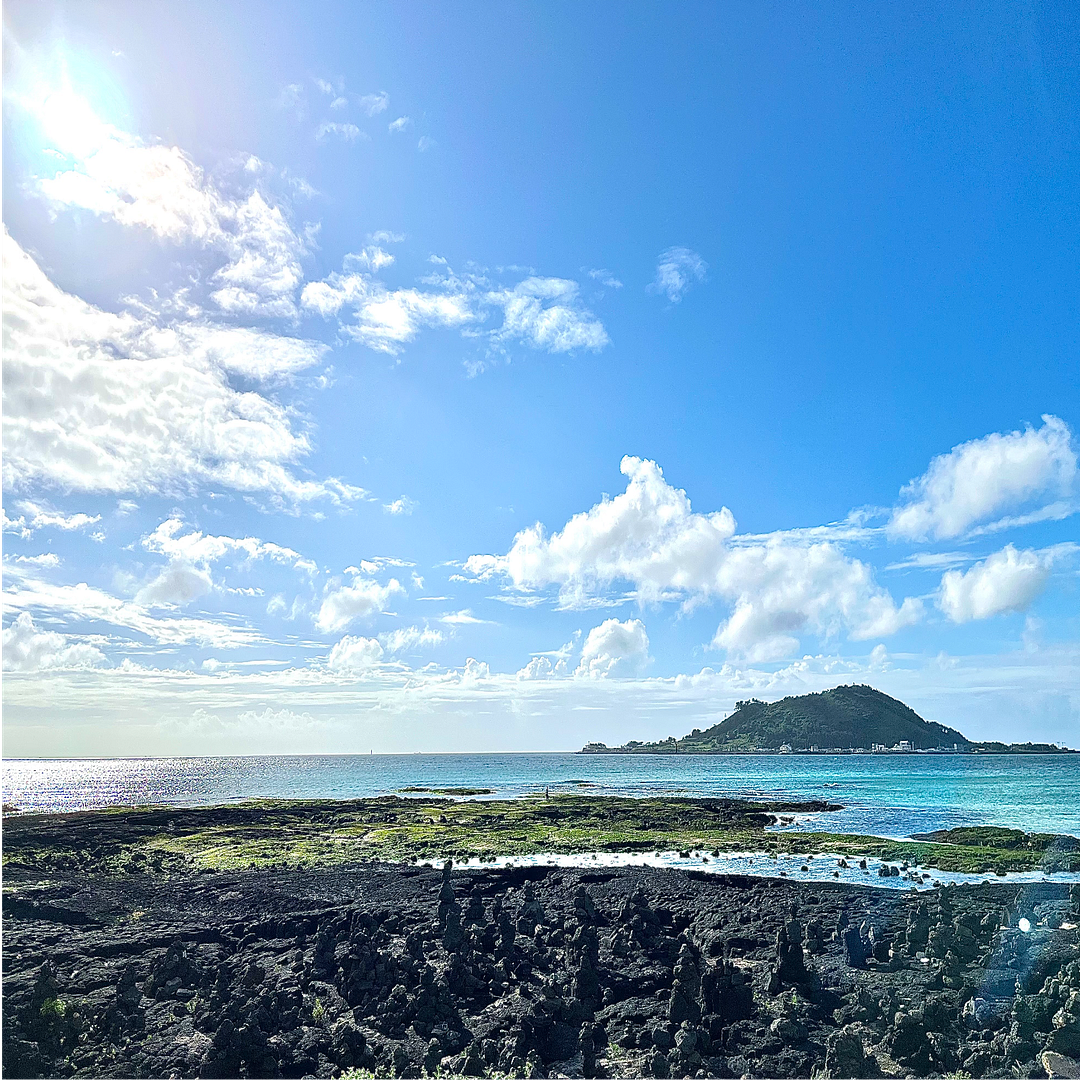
116, 175
1009, 580
615, 648
175, 585
677, 270
400, 124
352, 655
542, 667
542, 313
26, 648
475, 671
364, 597
980, 480
649, 538
96, 401
402, 506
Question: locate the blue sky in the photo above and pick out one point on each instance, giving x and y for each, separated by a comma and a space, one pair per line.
458, 377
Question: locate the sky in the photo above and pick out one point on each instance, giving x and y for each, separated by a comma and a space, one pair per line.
458, 377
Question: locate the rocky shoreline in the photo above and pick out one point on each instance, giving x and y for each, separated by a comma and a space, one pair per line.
399, 970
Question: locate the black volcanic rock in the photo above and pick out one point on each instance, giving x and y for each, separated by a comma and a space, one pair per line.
847, 717
627, 972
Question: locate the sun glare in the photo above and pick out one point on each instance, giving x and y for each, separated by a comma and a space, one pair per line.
74, 104
71, 126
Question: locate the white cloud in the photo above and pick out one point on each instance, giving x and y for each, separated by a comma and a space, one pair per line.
48, 561
462, 618
615, 648
475, 671
677, 270
982, 479
348, 132
84, 603
339, 103
116, 175
606, 278
259, 722
384, 236
386, 320
545, 314
426, 143
541, 667
373, 104
361, 599
372, 258
44, 517
188, 576
402, 506
649, 537
400, 124
170, 540
174, 585
352, 655
25, 648
932, 560
95, 401
1009, 580
412, 638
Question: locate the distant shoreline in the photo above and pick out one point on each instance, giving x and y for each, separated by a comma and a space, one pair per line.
1016, 750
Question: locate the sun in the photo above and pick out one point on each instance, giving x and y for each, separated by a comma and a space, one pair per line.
73, 103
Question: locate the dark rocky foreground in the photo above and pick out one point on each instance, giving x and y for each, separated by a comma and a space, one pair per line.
407, 971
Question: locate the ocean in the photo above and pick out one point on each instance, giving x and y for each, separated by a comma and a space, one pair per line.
887, 795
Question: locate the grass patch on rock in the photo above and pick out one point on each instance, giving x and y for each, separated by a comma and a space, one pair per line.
309, 834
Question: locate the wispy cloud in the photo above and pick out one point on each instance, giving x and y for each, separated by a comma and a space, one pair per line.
606, 278
543, 313
373, 104
116, 175
677, 270
400, 124
347, 132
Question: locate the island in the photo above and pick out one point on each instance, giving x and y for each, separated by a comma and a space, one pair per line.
848, 719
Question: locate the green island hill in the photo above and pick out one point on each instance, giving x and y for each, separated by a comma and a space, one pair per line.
846, 719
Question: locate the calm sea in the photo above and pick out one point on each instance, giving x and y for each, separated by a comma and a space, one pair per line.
890, 795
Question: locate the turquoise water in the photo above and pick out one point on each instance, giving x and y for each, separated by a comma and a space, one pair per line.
890, 795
